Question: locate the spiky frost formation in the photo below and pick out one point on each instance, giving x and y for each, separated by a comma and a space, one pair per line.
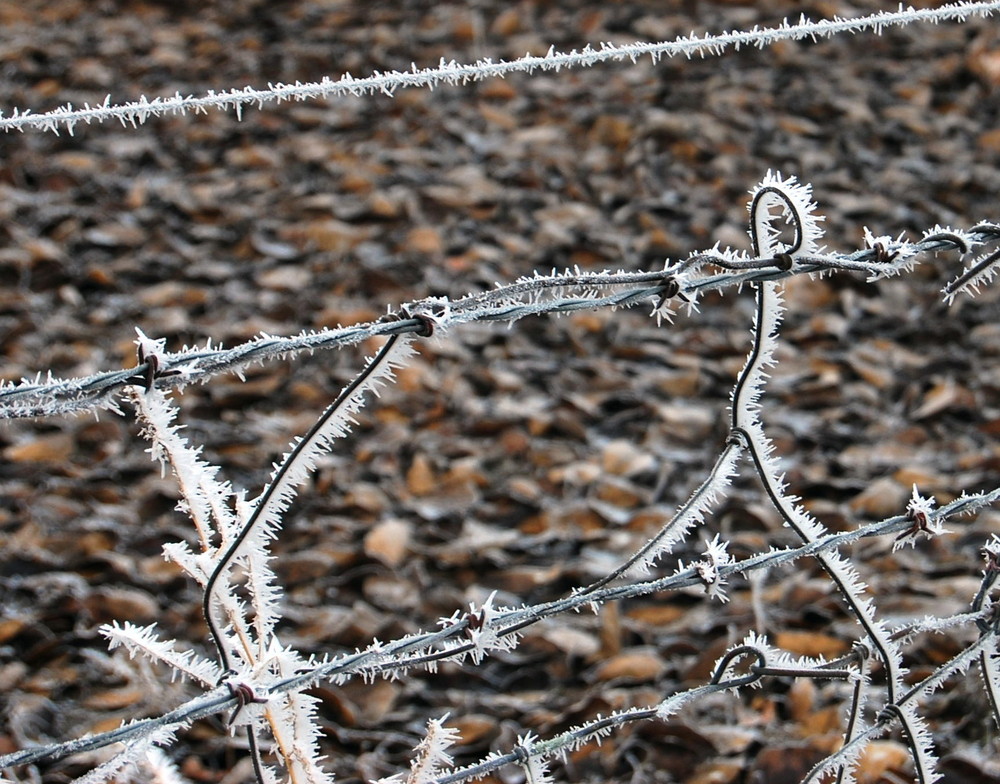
926, 522
989, 666
688, 517
750, 384
708, 568
976, 274
841, 570
432, 753
295, 467
294, 725
160, 769
776, 204
451, 72
142, 640
535, 767
251, 654
893, 256
205, 499
918, 738
482, 630
123, 766
769, 657
791, 200
774, 199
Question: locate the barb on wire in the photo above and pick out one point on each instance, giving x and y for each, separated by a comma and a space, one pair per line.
135, 113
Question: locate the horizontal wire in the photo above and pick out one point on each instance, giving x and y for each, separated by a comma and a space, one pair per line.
55, 397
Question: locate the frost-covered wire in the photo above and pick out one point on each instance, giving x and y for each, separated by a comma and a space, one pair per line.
386, 657
135, 113
265, 682
559, 292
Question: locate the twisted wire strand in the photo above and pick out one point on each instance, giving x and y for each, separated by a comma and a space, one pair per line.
135, 113
393, 656
682, 282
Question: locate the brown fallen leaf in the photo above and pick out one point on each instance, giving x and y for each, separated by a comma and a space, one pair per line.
811, 644
882, 498
425, 240
624, 458
420, 479
112, 699
634, 665
656, 614
54, 448
944, 396
121, 604
474, 729
801, 698
879, 757
388, 542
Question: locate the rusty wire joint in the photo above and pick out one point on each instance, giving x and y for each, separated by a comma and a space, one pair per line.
474, 622
153, 370
882, 254
245, 696
671, 288
921, 524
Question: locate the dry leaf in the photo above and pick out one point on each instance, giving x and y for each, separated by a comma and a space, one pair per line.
112, 699
420, 479
389, 542
882, 498
878, 757
811, 644
55, 448
634, 665
944, 396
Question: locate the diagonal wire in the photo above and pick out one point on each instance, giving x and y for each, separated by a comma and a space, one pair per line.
453, 73
393, 656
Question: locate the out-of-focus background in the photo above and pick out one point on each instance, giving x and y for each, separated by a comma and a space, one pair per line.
527, 460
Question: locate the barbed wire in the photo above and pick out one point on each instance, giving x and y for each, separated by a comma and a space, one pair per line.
675, 285
392, 656
679, 283
453, 73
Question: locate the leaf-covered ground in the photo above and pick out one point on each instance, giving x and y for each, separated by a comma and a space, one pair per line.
527, 460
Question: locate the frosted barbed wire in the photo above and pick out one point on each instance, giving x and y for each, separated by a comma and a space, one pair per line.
135, 113
958, 664
384, 657
536, 295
